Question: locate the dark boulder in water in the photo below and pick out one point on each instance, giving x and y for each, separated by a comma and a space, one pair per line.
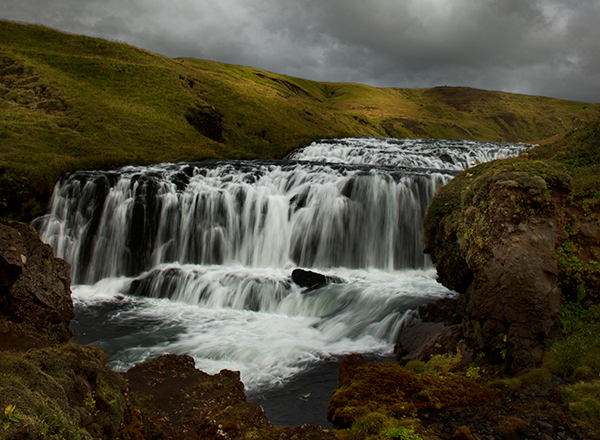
307, 278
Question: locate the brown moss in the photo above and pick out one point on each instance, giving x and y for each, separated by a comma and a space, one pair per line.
388, 387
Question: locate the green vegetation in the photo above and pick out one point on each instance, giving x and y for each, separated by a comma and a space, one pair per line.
583, 402
577, 358
379, 426
68, 392
379, 401
577, 355
70, 102
578, 154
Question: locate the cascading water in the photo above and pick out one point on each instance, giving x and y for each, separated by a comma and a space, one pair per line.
196, 258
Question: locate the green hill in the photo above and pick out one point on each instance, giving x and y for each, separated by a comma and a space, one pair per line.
71, 102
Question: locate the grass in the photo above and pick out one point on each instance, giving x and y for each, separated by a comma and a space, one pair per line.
72, 102
576, 357
67, 392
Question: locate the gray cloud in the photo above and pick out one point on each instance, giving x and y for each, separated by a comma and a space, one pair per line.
539, 47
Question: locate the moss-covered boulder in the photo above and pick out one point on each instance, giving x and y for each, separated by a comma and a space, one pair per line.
517, 237
492, 232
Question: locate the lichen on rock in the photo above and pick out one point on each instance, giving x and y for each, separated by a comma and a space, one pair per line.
390, 389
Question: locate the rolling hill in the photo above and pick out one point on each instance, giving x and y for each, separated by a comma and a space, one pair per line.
73, 102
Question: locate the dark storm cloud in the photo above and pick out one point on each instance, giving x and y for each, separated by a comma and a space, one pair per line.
541, 47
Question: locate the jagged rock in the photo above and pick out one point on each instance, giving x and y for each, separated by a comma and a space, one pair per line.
194, 402
35, 291
307, 278
182, 402
492, 232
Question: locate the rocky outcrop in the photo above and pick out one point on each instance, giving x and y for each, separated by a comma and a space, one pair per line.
492, 233
177, 401
35, 287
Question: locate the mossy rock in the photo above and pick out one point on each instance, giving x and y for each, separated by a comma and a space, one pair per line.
388, 388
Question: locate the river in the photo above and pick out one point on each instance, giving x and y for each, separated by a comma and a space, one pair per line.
196, 258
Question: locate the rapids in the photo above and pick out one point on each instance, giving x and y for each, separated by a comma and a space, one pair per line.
196, 258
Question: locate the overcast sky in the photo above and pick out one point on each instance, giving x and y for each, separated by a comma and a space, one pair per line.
537, 47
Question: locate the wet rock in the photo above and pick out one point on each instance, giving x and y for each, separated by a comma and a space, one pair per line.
437, 332
307, 278
35, 291
446, 310
425, 339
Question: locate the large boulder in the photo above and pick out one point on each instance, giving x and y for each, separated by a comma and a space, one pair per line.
492, 233
35, 287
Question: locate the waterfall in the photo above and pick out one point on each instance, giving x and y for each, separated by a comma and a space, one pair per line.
308, 210
196, 257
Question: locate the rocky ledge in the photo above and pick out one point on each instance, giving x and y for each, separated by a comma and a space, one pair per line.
492, 233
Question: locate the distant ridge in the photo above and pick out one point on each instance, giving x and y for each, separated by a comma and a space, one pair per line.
72, 102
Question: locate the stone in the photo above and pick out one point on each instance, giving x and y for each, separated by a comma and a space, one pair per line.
448, 310
183, 402
423, 340
35, 291
12, 256
312, 280
496, 247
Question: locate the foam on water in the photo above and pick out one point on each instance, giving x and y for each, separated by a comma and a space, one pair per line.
363, 314
196, 258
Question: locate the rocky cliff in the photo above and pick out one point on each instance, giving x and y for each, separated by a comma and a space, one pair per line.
516, 238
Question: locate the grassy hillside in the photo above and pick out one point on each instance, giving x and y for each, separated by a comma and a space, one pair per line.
70, 102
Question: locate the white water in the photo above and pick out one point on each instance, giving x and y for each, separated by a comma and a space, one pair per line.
267, 345
196, 258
